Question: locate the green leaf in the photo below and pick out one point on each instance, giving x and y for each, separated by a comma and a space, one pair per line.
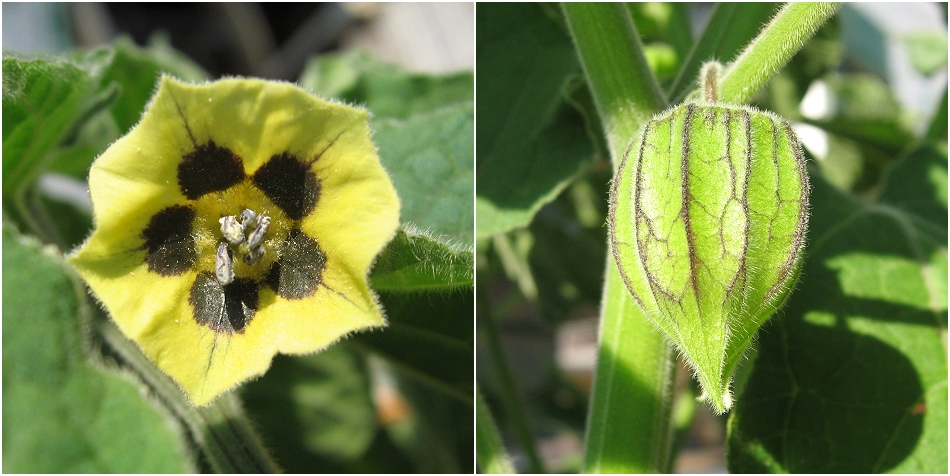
55, 98
415, 261
387, 91
61, 413
853, 376
60, 113
430, 337
918, 185
429, 157
43, 103
134, 72
938, 123
530, 142
315, 411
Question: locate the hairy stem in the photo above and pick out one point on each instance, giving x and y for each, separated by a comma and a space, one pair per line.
731, 26
775, 45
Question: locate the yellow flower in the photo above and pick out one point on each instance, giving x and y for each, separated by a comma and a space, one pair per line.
238, 219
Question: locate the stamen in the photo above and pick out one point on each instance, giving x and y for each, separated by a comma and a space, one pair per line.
254, 256
247, 218
232, 230
263, 223
224, 264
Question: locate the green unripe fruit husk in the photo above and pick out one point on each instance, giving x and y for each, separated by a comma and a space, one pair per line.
708, 215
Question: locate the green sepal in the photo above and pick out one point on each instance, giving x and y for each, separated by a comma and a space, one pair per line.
708, 216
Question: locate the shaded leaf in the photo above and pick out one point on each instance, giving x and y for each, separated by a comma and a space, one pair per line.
445, 428
429, 336
938, 123
314, 411
578, 95
492, 457
882, 135
62, 414
429, 157
530, 143
565, 280
918, 185
853, 376
386, 90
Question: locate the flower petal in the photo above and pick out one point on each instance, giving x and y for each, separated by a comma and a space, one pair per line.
203, 152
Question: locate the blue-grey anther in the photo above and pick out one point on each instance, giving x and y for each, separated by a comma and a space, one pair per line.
224, 264
235, 231
254, 256
263, 223
231, 230
247, 218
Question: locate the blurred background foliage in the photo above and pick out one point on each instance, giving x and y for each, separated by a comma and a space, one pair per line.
397, 400
868, 98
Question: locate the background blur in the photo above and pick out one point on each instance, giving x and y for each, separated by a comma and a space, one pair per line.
269, 40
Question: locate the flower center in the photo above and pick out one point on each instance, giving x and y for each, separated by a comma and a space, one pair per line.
244, 237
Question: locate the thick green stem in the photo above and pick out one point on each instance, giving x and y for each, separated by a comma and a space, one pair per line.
623, 86
772, 49
629, 427
491, 454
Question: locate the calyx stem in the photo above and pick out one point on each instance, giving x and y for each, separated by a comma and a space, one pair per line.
710, 81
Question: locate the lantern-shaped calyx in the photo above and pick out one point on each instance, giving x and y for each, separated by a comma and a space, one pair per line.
708, 216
